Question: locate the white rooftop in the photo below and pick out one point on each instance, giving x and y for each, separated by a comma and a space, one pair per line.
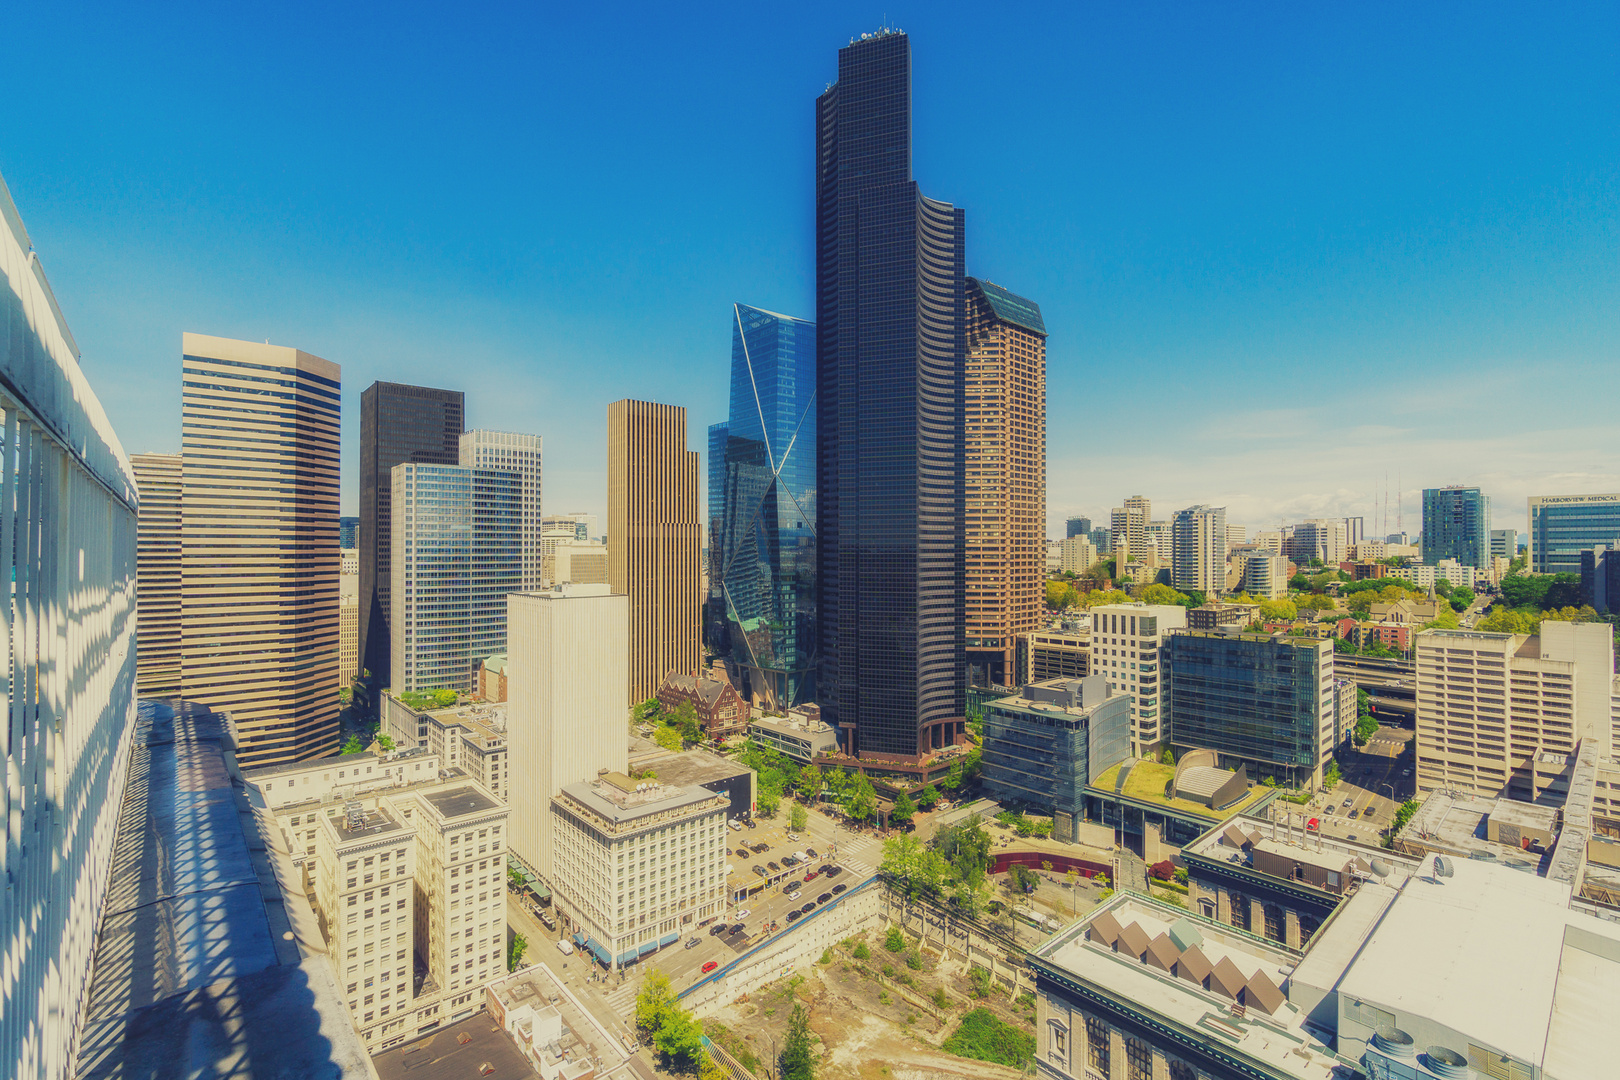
1498, 956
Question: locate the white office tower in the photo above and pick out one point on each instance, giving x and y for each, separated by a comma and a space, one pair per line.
67, 623
568, 661
508, 452
1265, 575
1198, 545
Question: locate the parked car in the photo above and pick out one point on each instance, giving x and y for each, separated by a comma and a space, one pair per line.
788, 860
824, 897
750, 823
808, 908
759, 849
565, 947
710, 966
773, 866
810, 851
801, 856
693, 942
794, 916
760, 870
833, 871
717, 929
738, 928
838, 889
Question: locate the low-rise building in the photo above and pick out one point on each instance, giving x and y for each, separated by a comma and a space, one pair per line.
1391, 635
469, 737
1140, 990
636, 864
799, 737
1045, 744
718, 707
1448, 570
684, 768
492, 679
1056, 654
1215, 616
522, 1004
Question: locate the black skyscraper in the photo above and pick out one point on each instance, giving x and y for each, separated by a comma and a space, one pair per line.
889, 368
398, 424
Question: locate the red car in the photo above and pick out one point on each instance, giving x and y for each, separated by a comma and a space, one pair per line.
812, 875
710, 966
1314, 825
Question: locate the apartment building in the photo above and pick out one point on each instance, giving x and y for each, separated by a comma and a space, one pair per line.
1077, 555
367, 889
1491, 708
1198, 545
461, 886
1265, 575
1126, 643
636, 864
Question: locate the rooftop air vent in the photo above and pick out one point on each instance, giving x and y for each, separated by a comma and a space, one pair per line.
1396, 1043
1443, 1061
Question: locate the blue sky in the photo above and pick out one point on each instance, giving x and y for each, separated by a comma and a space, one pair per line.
1282, 249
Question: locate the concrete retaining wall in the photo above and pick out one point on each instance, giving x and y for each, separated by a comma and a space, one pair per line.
859, 909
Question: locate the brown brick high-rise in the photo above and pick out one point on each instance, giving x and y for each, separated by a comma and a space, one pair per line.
655, 540
259, 543
1006, 477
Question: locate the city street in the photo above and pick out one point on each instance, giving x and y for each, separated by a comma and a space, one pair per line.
1375, 781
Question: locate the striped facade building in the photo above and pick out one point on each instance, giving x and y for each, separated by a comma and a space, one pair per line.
655, 540
259, 543
157, 561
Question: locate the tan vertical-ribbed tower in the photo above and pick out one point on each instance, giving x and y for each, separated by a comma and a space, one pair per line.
157, 575
655, 540
259, 543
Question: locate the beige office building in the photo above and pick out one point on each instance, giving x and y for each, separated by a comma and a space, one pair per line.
259, 543
508, 452
1497, 714
157, 575
580, 563
1005, 491
348, 617
655, 540
567, 658
1126, 640
1128, 533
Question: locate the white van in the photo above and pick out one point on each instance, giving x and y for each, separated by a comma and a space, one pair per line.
565, 947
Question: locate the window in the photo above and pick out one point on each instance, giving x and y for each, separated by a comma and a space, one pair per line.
1097, 1044
1060, 1040
1138, 1060
1180, 1070
1276, 923
1240, 911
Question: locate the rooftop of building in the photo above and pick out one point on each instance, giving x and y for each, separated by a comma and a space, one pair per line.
682, 767
443, 1055
459, 802
1149, 782
799, 724
1106, 950
1278, 637
1291, 837
317, 764
365, 825
496, 664
201, 966
1457, 824
709, 690
1010, 307
1496, 956
648, 797
1065, 696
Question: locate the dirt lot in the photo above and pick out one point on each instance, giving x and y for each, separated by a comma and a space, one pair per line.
874, 1025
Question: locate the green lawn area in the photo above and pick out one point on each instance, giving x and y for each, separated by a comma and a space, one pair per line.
1149, 780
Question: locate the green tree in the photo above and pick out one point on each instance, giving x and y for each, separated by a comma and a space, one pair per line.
668, 738
385, 743
1167, 756
966, 848
354, 745
862, 802
861, 952
680, 1037
654, 1000
515, 950
709, 1069
1161, 594
798, 818
927, 797
904, 810
894, 940
796, 1061
811, 781
1061, 595
941, 1001
1278, 610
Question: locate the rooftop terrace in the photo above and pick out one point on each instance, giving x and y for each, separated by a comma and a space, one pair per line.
1148, 782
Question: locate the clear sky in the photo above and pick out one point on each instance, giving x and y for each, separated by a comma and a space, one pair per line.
1282, 249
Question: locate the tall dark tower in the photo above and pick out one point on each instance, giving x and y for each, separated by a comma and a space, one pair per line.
398, 424
890, 354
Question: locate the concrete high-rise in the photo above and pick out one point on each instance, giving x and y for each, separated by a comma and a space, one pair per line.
1128, 532
259, 543
1005, 485
68, 557
348, 617
762, 509
157, 662
890, 345
398, 424
507, 452
567, 665
456, 555
1198, 539
1457, 525
655, 540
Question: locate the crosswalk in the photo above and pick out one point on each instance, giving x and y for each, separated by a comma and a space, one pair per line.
622, 999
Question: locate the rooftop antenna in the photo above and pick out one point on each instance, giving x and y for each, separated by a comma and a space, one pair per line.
1400, 503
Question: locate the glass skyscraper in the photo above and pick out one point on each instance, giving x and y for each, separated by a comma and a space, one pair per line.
890, 354
762, 508
1457, 525
1563, 526
457, 553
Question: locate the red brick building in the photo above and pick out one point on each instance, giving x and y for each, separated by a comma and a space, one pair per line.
719, 709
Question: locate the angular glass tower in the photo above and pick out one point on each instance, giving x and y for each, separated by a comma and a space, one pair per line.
762, 508
890, 349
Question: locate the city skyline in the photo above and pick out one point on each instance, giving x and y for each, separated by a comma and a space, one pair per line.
1433, 248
